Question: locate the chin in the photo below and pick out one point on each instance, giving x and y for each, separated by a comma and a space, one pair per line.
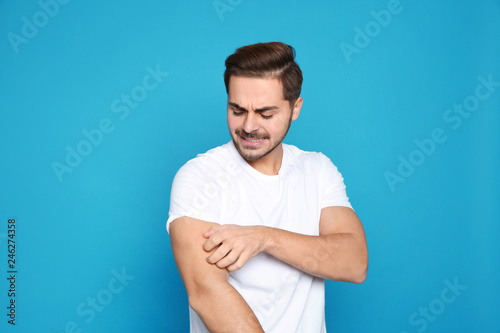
251, 158
250, 154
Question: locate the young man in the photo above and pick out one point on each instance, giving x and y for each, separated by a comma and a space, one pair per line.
257, 225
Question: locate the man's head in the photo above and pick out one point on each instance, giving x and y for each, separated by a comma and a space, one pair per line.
274, 60
263, 83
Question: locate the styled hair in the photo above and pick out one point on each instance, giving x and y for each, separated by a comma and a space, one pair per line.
274, 60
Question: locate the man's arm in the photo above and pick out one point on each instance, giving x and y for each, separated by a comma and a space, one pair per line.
338, 253
218, 304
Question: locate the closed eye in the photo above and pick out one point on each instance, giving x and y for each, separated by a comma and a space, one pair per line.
237, 111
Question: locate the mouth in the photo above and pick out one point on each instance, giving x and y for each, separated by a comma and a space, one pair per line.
252, 142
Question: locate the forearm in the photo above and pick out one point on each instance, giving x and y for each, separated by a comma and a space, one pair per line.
338, 253
340, 256
222, 309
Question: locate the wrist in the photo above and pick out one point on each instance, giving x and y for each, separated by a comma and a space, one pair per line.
267, 237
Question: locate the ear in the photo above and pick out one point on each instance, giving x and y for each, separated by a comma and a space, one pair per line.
296, 108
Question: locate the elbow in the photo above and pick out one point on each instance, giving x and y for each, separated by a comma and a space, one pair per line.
359, 267
354, 272
361, 270
195, 302
198, 296
199, 300
202, 293
360, 276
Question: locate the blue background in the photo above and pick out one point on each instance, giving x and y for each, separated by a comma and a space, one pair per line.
365, 111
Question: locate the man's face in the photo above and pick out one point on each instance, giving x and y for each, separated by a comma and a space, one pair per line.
258, 116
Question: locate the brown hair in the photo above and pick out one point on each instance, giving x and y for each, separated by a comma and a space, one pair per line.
274, 60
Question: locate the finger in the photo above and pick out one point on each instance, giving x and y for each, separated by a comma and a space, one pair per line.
242, 259
219, 254
213, 230
231, 257
212, 242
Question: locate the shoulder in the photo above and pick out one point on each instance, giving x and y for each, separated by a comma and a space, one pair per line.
312, 164
301, 157
214, 161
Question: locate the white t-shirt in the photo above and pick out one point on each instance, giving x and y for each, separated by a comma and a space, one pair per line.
220, 186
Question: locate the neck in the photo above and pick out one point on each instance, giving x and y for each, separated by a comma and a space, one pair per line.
271, 163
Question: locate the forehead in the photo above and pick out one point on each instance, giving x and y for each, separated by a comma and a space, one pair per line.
258, 91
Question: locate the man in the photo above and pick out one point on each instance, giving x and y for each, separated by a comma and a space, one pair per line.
257, 225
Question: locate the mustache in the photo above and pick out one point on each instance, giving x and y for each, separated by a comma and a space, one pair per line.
252, 135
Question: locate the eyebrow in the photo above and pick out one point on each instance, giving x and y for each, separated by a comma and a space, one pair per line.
263, 109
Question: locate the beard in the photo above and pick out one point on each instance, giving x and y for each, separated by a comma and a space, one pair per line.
257, 136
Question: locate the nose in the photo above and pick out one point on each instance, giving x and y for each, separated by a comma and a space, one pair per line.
251, 122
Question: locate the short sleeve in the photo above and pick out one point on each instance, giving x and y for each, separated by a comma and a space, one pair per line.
334, 190
191, 195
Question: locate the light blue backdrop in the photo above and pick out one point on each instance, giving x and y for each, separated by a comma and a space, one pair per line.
101, 103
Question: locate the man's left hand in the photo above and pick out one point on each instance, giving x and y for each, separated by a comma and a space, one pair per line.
236, 244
